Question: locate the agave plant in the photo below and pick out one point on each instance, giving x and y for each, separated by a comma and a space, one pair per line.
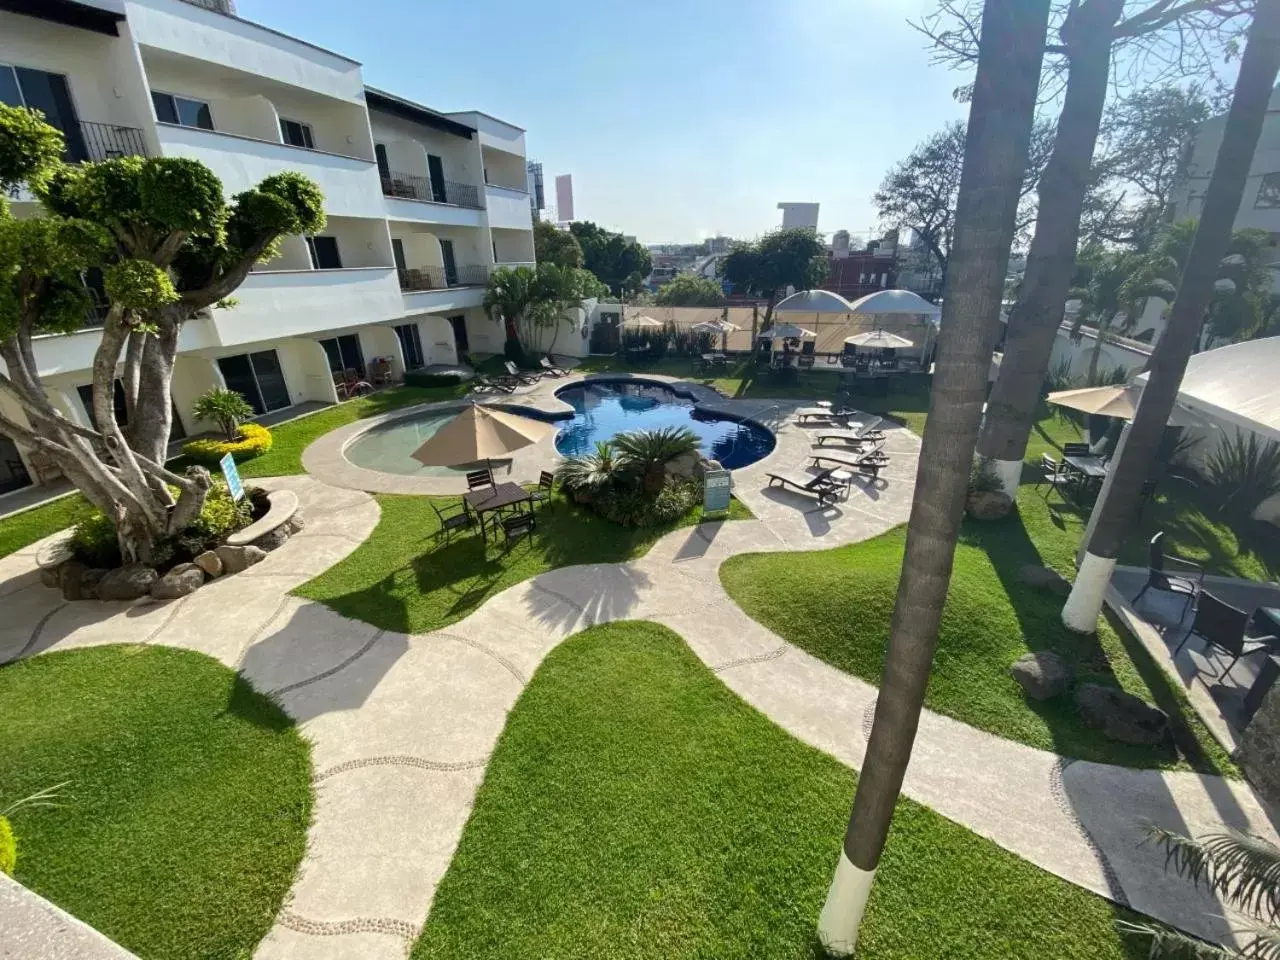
1242, 473
586, 474
1243, 872
648, 452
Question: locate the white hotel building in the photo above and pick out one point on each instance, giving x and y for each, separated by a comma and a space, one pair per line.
421, 204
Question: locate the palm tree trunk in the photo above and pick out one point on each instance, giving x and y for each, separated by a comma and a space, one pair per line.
1116, 505
996, 147
1034, 320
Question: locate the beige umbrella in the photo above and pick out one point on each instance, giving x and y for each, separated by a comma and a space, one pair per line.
720, 326
481, 433
1120, 400
879, 339
787, 331
641, 321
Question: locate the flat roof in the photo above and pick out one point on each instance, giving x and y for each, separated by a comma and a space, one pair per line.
69, 13
408, 110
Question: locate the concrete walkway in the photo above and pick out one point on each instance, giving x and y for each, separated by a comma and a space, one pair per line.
403, 726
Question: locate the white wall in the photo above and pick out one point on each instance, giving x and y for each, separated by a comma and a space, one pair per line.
505, 169
409, 143
509, 210
306, 369
193, 376
1113, 354
436, 334
513, 246
185, 29
304, 301
351, 187
494, 133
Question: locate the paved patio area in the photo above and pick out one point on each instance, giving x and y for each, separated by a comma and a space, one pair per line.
403, 725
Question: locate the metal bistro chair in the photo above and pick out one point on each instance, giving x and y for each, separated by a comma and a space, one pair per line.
1187, 583
1051, 472
1075, 449
546, 482
479, 479
1222, 626
454, 517
518, 525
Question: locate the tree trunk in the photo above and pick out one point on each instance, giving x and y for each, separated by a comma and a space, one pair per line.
1034, 320
1094, 355
999, 134
150, 428
1116, 507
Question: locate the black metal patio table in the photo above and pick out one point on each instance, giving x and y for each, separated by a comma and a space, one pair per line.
497, 497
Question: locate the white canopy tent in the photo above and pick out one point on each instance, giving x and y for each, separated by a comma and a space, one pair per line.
1238, 384
896, 301
813, 301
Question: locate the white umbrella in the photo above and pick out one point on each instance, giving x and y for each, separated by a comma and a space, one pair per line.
641, 321
813, 301
720, 326
895, 301
879, 339
787, 331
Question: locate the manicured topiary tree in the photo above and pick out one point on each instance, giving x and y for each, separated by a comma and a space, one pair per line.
169, 246
225, 407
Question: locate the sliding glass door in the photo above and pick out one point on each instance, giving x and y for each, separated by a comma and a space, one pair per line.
258, 377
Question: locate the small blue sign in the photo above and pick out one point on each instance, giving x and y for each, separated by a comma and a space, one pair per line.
229, 470
716, 488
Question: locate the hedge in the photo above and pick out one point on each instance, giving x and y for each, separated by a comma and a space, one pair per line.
417, 378
253, 440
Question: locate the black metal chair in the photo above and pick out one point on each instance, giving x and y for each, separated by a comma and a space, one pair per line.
454, 517
479, 479
1075, 450
1051, 472
546, 482
1222, 626
518, 525
1146, 495
1186, 583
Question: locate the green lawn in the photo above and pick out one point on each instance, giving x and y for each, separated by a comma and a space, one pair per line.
23, 529
635, 808
406, 578
189, 798
837, 604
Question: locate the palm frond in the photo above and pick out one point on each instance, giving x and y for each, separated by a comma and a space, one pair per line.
1243, 870
1169, 944
48, 797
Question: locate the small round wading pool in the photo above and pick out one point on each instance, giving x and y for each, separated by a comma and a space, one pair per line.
388, 447
605, 408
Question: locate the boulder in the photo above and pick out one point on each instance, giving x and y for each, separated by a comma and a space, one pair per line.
183, 579
210, 563
49, 576
1121, 716
988, 505
89, 581
685, 466
127, 583
274, 539
237, 559
1046, 578
70, 573
1042, 674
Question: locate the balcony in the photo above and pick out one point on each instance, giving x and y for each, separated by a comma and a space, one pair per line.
420, 279
406, 186
106, 141
508, 207
286, 303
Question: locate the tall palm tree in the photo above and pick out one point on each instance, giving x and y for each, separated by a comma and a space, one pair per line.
1105, 299
1133, 462
999, 134
509, 293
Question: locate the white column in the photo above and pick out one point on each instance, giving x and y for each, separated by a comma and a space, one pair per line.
1083, 607
846, 903
1009, 473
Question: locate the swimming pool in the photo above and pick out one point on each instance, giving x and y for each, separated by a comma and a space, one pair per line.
388, 447
605, 408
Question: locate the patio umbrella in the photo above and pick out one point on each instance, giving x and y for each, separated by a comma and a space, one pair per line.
879, 339
641, 321
720, 326
481, 433
1120, 400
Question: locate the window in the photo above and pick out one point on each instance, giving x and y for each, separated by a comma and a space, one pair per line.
1269, 192
344, 353
258, 377
296, 134
48, 93
182, 111
324, 253
411, 345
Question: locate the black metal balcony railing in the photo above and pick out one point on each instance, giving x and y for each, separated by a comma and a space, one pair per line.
104, 141
441, 278
406, 186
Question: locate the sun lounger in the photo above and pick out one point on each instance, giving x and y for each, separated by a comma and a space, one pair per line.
868, 432
818, 413
551, 368
515, 373
868, 463
503, 384
818, 484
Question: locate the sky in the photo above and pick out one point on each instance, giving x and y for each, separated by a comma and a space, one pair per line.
679, 119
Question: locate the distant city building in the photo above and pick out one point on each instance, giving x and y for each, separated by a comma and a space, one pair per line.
719, 244
799, 215
537, 189
856, 273
564, 197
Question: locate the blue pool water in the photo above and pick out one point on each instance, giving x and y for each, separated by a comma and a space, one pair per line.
602, 410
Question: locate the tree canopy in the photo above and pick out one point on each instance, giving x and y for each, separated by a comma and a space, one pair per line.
689, 290
552, 245
794, 257
614, 259
529, 300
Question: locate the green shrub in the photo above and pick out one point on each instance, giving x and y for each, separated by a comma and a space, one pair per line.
1241, 474
226, 408
253, 440
419, 378
8, 847
983, 477
636, 507
94, 541
591, 473
220, 517
647, 452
